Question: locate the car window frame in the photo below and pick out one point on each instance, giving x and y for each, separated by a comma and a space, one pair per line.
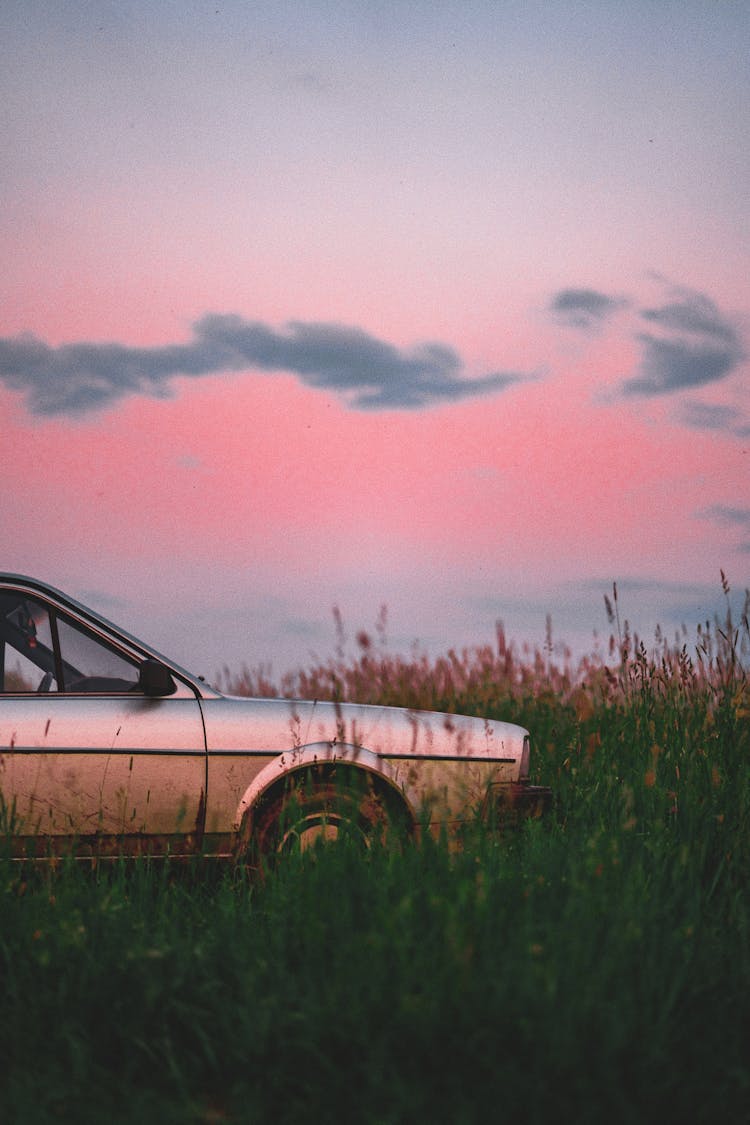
53, 660
189, 685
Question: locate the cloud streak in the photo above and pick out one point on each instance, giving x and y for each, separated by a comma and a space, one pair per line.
584, 308
714, 416
368, 373
727, 515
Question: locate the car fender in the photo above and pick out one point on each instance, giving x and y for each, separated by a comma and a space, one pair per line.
315, 753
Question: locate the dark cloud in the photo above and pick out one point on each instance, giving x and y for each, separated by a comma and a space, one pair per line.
694, 313
701, 347
686, 343
676, 365
368, 373
584, 308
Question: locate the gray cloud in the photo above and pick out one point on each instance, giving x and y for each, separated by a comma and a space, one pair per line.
713, 416
686, 343
728, 515
694, 313
368, 373
584, 308
648, 602
675, 365
702, 347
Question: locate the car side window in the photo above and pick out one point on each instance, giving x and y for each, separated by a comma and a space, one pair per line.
27, 661
89, 665
42, 651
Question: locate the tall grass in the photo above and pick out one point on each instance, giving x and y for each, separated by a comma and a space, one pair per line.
594, 966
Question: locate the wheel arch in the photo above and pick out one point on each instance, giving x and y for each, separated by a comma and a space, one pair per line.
326, 755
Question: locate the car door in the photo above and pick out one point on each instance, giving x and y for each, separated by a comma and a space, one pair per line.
83, 752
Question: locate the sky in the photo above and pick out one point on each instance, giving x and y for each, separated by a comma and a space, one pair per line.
438, 306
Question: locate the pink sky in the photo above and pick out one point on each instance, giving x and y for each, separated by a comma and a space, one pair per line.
560, 206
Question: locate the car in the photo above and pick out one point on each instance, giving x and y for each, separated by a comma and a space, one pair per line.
109, 748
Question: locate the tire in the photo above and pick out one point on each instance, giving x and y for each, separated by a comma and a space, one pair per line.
314, 808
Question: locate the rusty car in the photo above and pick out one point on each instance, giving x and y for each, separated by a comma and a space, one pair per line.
107, 747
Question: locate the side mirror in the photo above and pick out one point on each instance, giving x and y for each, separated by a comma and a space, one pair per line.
155, 679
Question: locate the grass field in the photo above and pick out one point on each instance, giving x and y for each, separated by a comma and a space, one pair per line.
591, 967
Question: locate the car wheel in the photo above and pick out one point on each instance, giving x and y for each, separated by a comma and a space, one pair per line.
309, 811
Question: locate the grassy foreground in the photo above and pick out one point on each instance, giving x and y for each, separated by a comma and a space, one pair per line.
594, 967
